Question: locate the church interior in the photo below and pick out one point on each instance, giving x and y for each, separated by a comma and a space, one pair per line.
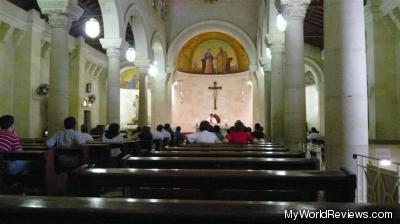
199, 111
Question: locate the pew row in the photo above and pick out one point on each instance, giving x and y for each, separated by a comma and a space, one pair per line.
220, 163
339, 186
254, 154
66, 210
226, 148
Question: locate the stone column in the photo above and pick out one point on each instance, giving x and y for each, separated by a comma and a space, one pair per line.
346, 77
113, 91
113, 78
276, 43
266, 67
143, 111
295, 104
61, 13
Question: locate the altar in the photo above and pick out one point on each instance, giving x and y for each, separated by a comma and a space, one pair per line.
196, 96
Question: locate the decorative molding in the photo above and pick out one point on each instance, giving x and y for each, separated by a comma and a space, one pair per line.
111, 42
309, 79
58, 20
294, 9
276, 42
113, 53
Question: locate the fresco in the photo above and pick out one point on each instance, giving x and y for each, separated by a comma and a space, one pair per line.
212, 53
214, 57
130, 79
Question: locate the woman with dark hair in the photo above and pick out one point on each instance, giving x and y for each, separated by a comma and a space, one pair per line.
113, 135
217, 132
167, 128
239, 135
179, 138
146, 138
258, 133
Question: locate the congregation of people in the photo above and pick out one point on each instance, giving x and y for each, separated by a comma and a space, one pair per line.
160, 138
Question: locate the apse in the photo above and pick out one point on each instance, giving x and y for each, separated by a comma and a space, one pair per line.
212, 77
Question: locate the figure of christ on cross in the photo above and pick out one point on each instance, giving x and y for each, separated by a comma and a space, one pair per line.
215, 89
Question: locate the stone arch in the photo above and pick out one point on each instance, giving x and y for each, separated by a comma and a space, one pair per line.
315, 69
139, 31
158, 51
110, 11
211, 26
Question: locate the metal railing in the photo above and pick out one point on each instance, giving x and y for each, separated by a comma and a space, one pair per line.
378, 180
316, 151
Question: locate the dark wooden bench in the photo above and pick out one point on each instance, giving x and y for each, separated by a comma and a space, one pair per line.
339, 186
67, 210
226, 148
234, 145
221, 163
254, 154
41, 172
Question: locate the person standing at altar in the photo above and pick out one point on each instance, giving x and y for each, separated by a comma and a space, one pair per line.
208, 58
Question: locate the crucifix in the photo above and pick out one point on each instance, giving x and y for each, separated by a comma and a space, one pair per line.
215, 89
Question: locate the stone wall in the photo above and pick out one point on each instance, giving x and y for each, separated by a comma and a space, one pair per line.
192, 101
24, 62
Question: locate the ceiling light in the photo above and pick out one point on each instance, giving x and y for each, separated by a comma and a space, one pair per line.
130, 54
92, 28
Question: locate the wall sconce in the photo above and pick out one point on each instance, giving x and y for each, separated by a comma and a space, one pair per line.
89, 87
89, 100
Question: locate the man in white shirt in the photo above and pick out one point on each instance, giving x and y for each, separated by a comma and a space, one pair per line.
204, 136
166, 134
67, 138
157, 135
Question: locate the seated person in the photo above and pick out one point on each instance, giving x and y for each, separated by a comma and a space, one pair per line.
146, 138
113, 135
98, 130
179, 138
158, 137
67, 138
217, 132
258, 133
168, 135
239, 135
135, 136
313, 136
85, 133
9, 142
204, 136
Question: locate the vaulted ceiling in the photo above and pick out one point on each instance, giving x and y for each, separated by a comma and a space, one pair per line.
313, 24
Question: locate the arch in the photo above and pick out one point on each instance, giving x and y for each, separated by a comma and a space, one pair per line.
139, 31
211, 26
158, 51
111, 16
316, 70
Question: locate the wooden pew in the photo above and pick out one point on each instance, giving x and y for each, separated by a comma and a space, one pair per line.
339, 186
234, 145
41, 174
254, 154
226, 148
220, 163
67, 210
32, 140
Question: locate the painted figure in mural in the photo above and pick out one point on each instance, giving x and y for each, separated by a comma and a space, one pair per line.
134, 83
208, 58
136, 106
222, 60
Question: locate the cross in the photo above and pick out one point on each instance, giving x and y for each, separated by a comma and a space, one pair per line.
215, 89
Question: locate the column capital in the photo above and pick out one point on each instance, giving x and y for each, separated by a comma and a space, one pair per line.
113, 53
61, 12
276, 42
111, 42
143, 65
294, 9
